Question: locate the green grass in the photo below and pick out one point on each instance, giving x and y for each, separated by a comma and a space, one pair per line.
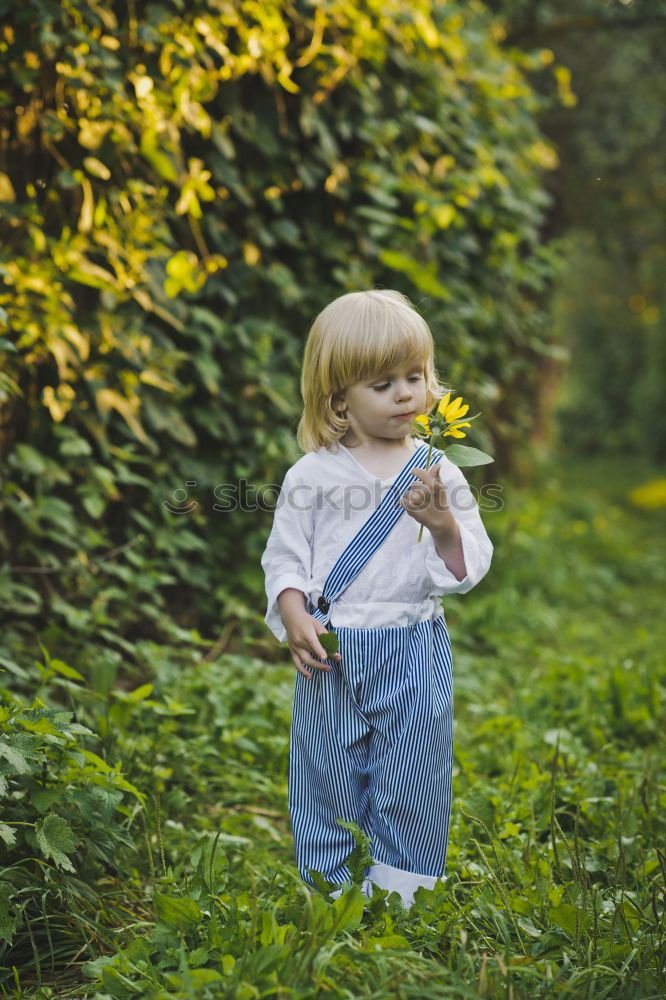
556, 870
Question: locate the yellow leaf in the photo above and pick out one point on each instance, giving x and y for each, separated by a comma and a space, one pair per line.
285, 80
7, 192
110, 399
426, 29
251, 254
143, 86
87, 208
152, 378
96, 167
443, 215
88, 273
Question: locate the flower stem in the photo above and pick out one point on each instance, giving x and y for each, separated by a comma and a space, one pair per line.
427, 466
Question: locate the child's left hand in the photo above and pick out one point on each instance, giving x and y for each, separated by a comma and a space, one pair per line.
427, 502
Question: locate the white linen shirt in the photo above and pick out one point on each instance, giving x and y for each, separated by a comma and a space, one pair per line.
325, 498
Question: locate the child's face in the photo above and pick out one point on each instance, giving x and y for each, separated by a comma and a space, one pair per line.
375, 407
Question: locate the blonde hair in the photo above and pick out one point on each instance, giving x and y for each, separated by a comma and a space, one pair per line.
356, 337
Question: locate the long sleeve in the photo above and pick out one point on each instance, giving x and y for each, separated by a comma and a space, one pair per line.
477, 547
287, 558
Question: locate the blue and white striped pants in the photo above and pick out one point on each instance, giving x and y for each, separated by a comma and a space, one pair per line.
372, 742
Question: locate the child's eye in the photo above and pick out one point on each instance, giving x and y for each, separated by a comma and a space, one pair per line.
380, 388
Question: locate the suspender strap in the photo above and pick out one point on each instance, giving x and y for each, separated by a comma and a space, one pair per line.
370, 536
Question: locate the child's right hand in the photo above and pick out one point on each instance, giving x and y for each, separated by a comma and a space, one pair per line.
302, 636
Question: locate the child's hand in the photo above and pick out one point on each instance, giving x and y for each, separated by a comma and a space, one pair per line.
302, 635
427, 502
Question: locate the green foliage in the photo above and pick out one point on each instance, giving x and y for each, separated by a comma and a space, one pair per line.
555, 872
610, 305
361, 856
610, 312
183, 188
63, 826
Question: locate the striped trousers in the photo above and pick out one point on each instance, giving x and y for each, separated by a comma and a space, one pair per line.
372, 742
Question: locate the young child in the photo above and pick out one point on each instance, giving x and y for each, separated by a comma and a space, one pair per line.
372, 726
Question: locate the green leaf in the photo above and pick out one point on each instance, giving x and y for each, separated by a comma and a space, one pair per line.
347, 909
388, 942
329, 641
361, 857
196, 979
159, 160
528, 927
56, 840
13, 668
73, 445
425, 278
463, 455
139, 694
321, 882
15, 758
7, 834
63, 668
29, 460
43, 798
8, 913
564, 916
178, 913
95, 504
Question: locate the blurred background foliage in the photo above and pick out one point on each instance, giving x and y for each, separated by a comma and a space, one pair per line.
609, 200
182, 188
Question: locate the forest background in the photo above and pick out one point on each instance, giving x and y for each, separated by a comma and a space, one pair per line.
182, 188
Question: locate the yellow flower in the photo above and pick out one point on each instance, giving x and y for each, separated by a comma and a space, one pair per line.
650, 495
452, 411
424, 420
456, 432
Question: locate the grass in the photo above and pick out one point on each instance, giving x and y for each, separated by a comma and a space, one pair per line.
556, 869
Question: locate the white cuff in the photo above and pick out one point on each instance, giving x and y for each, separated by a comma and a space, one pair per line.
272, 618
365, 889
441, 576
403, 882
394, 880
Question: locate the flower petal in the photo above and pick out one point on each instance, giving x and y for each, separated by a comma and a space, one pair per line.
443, 403
452, 410
462, 410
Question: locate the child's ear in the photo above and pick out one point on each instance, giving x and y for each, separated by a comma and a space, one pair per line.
338, 397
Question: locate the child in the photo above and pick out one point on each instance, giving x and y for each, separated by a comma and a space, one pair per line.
372, 726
